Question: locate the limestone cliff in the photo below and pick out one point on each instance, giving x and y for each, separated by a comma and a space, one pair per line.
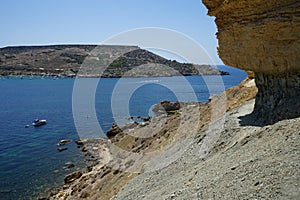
264, 37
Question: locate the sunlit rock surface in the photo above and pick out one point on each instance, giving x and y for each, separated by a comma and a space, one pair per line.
263, 36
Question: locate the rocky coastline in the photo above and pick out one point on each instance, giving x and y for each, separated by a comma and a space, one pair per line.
245, 148
128, 164
239, 162
114, 168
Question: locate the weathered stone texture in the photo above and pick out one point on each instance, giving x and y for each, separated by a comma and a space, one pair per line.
277, 98
256, 35
264, 37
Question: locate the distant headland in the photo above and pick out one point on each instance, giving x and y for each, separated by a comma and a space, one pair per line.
66, 60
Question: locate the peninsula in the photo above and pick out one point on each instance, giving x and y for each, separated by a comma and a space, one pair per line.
66, 61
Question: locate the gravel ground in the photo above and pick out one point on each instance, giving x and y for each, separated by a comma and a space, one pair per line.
227, 160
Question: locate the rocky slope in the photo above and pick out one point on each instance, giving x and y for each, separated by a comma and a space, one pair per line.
245, 162
139, 148
221, 156
264, 37
66, 60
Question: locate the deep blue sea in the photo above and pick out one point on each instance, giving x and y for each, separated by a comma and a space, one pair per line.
29, 161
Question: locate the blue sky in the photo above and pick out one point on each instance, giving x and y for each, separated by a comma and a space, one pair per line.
41, 22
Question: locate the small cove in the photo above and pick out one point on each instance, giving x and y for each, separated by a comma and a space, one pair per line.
29, 161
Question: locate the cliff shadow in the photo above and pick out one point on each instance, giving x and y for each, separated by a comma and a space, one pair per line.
251, 119
262, 119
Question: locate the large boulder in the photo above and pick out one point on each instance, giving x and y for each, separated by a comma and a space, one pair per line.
113, 132
166, 106
264, 37
72, 177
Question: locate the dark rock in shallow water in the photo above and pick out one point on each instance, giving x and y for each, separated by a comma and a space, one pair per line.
7, 191
63, 142
43, 197
69, 164
88, 154
146, 119
60, 149
84, 149
72, 177
46, 195
114, 125
79, 143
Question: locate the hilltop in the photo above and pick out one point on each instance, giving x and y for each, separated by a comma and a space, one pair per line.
66, 60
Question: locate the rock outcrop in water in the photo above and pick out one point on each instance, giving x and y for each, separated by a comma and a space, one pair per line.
264, 37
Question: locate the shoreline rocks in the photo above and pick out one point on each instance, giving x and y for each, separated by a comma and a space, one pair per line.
63, 142
79, 143
112, 170
60, 149
166, 106
69, 164
72, 177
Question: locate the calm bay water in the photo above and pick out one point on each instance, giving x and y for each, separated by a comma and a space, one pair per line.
29, 161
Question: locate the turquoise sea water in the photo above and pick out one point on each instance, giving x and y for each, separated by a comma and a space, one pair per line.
29, 161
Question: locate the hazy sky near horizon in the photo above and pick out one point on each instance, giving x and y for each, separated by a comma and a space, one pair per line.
44, 22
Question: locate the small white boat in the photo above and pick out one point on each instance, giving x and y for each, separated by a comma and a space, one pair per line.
39, 122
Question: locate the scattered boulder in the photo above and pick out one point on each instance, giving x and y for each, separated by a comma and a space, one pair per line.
63, 142
84, 149
79, 143
60, 149
113, 132
43, 197
146, 119
130, 125
69, 164
166, 106
84, 195
72, 177
114, 125
143, 124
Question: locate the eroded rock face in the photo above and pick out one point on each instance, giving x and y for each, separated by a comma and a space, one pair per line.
264, 37
277, 98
